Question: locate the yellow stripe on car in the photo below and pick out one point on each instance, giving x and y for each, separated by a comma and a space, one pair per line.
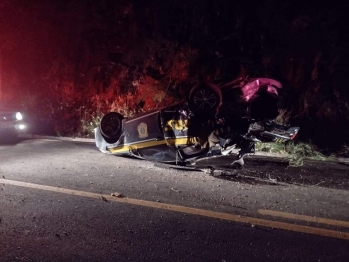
169, 142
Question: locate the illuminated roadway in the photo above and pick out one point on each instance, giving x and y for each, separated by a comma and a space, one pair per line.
66, 201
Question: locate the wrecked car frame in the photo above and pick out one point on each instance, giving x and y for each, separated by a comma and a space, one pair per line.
204, 125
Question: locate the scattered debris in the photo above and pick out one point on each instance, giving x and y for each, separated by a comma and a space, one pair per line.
319, 183
116, 194
104, 199
175, 190
239, 207
208, 170
274, 180
232, 173
217, 173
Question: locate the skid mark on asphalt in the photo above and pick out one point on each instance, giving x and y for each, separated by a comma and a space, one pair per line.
187, 210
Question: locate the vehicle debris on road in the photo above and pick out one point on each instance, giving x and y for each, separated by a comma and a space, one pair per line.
116, 194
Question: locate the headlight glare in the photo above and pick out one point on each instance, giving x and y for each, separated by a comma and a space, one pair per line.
21, 127
19, 116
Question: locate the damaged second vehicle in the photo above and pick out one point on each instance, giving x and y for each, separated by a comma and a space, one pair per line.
214, 120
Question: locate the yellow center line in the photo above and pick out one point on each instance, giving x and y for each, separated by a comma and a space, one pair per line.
319, 220
187, 210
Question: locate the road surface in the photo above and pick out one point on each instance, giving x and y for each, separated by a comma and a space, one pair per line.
66, 201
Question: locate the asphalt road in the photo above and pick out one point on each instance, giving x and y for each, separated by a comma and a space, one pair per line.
66, 201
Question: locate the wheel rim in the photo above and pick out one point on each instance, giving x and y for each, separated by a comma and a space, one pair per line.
205, 99
111, 125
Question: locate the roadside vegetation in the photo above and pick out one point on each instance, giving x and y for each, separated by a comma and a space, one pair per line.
295, 152
69, 62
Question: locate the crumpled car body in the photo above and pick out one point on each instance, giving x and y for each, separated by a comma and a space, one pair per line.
212, 121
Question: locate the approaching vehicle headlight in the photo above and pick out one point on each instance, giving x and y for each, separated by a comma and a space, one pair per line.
19, 116
20, 127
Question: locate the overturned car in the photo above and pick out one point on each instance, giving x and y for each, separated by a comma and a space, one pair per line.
212, 121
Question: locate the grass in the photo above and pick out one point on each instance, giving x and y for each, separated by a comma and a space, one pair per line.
295, 152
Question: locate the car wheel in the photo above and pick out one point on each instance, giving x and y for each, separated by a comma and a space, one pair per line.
111, 126
205, 98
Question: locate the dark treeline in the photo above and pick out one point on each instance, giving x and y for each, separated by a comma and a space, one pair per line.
74, 59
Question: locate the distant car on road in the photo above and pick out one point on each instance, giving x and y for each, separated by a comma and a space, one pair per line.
11, 123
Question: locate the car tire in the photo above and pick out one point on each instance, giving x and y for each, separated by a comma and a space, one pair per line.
111, 126
205, 98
